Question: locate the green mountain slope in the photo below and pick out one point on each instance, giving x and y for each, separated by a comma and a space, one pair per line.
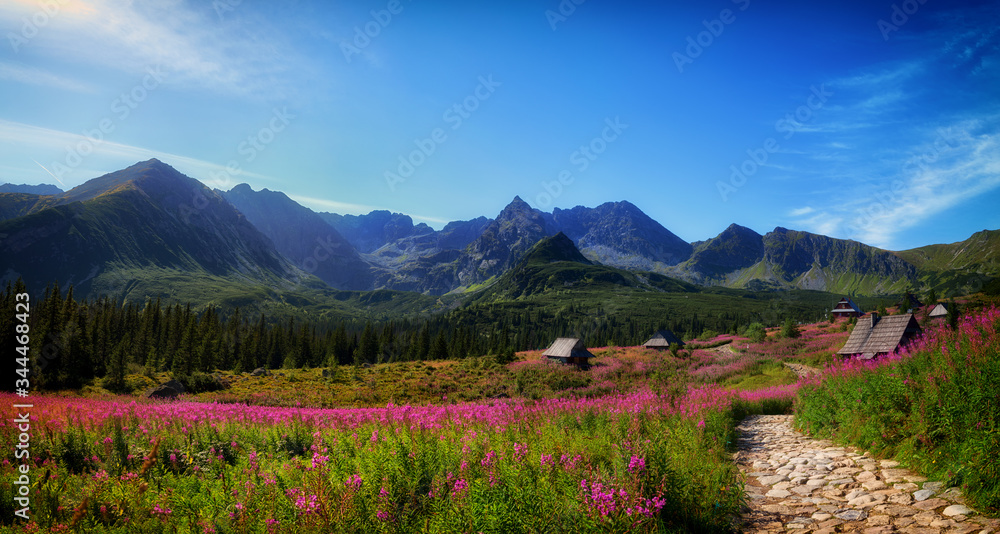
19, 204
964, 266
124, 230
789, 259
551, 289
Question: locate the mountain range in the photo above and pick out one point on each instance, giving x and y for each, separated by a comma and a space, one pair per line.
150, 219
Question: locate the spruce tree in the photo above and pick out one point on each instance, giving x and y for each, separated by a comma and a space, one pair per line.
953, 314
439, 349
423, 343
367, 349
115, 379
184, 359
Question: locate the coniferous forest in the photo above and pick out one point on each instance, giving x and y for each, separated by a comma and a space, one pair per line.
77, 340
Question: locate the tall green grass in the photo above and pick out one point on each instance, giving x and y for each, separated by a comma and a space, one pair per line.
935, 406
623, 463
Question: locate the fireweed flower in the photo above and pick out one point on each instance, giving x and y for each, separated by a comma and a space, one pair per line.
458, 490
636, 465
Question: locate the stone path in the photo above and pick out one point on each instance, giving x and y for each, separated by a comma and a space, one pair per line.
799, 484
802, 370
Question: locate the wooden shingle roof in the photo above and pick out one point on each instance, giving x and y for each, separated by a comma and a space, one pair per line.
880, 335
567, 347
939, 311
847, 305
663, 338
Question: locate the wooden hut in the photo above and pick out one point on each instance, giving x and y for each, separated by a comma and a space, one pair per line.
568, 350
939, 312
662, 340
876, 336
846, 308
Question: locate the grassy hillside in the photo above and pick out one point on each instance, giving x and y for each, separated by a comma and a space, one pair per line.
958, 268
19, 204
728, 361
311, 300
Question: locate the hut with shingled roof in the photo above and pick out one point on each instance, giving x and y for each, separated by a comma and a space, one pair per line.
876, 336
662, 340
570, 350
846, 308
939, 312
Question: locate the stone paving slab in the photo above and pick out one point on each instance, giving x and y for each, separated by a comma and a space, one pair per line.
804, 485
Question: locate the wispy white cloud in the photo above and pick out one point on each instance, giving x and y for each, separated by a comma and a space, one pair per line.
951, 166
322, 204
798, 212
434, 220
823, 223
189, 42
13, 72
882, 76
49, 148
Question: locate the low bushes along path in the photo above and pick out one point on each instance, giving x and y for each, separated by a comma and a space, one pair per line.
799, 484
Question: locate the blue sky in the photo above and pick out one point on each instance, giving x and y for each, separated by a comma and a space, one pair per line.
875, 121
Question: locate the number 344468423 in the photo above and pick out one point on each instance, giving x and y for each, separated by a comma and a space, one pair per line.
21, 329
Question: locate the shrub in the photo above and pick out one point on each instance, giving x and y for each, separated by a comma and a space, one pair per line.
789, 329
756, 332
707, 335
202, 382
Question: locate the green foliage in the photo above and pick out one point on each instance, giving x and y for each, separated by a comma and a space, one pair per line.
506, 356
761, 374
235, 476
756, 332
201, 383
789, 329
707, 335
953, 314
932, 297
935, 410
992, 288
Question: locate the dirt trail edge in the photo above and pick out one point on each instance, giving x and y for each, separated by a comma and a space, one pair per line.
799, 484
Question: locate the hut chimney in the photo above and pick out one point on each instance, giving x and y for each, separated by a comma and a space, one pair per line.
874, 317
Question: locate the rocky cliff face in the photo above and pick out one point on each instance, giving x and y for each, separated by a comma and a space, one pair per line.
303, 237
